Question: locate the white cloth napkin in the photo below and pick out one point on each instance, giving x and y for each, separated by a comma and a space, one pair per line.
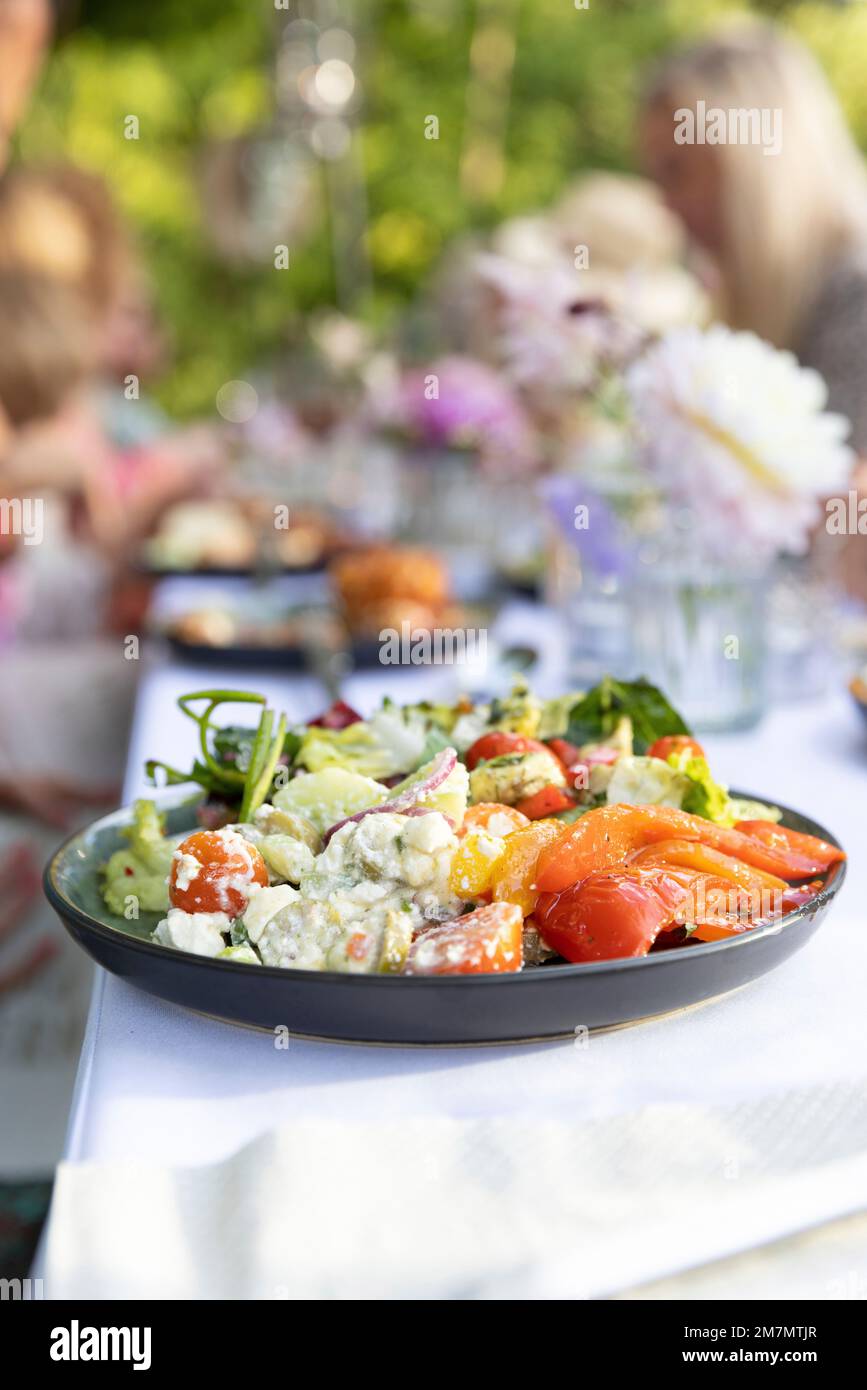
450, 1208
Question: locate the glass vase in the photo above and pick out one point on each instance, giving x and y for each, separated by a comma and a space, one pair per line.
447, 503
699, 632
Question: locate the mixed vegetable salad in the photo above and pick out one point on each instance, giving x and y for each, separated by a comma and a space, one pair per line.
455, 839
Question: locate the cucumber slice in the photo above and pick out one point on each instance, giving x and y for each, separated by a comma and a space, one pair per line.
328, 796
451, 796
272, 821
286, 857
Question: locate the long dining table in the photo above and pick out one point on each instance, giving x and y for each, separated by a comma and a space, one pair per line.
758, 1097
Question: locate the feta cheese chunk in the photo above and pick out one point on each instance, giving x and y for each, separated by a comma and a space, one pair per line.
412, 850
199, 932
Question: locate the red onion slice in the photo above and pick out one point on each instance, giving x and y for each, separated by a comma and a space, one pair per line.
407, 802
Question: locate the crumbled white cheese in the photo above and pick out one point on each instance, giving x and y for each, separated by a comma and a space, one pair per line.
383, 868
499, 825
199, 932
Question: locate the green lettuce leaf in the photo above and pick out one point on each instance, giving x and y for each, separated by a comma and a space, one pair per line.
140, 871
704, 797
596, 715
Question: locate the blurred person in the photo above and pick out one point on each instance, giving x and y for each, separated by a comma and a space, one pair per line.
614, 230
786, 229
107, 442
784, 226
26, 28
53, 582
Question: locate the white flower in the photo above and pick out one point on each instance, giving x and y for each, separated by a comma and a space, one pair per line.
737, 432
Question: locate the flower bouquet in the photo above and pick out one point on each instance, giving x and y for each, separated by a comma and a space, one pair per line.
462, 432
734, 437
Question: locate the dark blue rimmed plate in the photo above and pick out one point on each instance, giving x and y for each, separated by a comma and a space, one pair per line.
545, 1002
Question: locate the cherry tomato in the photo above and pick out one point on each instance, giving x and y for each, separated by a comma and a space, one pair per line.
610, 914
675, 743
546, 802
487, 941
492, 816
228, 866
499, 742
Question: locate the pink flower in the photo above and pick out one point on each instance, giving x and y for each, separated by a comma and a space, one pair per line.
460, 403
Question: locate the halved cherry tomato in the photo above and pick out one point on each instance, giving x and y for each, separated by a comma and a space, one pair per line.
486, 941
675, 743
692, 854
602, 838
610, 914
228, 866
546, 802
492, 816
808, 852
515, 878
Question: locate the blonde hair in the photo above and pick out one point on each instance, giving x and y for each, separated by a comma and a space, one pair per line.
46, 346
60, 223
786, 216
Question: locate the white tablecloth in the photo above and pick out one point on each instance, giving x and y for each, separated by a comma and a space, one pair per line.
160, 1086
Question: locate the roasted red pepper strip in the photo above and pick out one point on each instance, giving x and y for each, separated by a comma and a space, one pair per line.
604, 837
812, 855
610, 914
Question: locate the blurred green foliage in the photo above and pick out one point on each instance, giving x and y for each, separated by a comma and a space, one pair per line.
527, 93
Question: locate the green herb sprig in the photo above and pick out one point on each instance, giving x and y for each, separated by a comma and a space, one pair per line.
267, 743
